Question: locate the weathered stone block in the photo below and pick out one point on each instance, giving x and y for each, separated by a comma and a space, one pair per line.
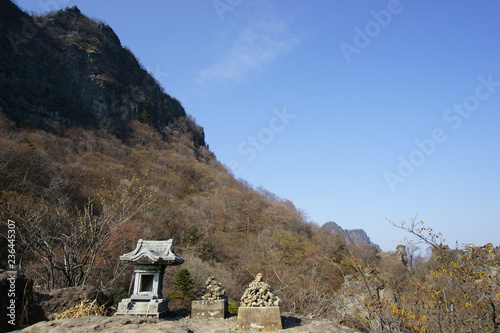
209, 309
266, 318
153, 308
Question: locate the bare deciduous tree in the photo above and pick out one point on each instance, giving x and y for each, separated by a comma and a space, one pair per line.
62, 249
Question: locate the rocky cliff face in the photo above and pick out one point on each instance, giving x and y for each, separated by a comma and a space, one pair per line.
66, 69
356, 236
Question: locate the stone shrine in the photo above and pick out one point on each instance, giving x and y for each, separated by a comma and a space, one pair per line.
259, 307
150, 259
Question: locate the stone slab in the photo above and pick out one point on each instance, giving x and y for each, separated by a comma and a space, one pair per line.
209, 309
154, 308
266, 318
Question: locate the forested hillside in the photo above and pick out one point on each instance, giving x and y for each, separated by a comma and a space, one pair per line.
94, 155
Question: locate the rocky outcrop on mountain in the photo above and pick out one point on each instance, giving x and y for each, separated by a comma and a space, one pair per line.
356, 301
351, 236
401, 254
66, 69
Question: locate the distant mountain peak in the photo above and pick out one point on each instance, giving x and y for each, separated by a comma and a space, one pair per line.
351, 236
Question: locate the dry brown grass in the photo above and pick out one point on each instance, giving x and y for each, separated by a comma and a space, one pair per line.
84, 309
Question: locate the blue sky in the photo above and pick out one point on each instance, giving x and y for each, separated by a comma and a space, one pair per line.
355, 111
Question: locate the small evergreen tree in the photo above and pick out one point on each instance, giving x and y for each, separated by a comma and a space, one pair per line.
145, 115
184, 286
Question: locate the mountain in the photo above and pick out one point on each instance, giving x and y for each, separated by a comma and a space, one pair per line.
351, 236
94, 155
65, 69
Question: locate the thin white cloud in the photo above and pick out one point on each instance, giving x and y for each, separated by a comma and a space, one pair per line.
253, 49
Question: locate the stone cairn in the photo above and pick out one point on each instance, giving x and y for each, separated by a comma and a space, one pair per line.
259, 293
213, 290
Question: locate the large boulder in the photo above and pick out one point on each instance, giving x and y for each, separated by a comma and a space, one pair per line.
133, 324
59, 300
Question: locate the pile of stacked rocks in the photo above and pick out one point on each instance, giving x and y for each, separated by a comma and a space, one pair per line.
259, 293
213, 290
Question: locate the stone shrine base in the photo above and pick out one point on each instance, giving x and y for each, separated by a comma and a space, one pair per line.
147, 308
266, 318
209, 309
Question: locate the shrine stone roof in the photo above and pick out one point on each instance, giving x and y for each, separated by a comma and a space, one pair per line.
151, 252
